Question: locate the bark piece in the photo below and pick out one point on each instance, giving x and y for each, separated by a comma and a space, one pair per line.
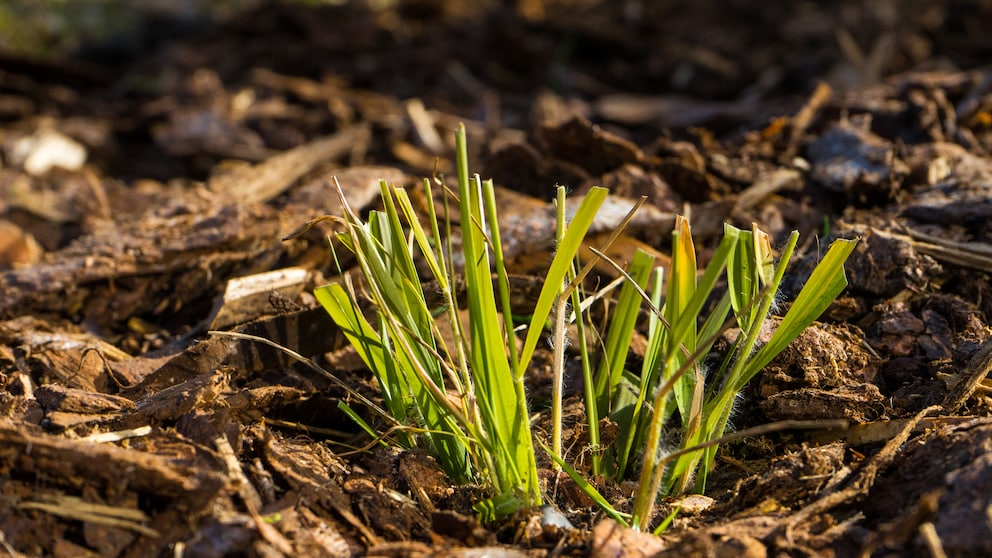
612, 540
68, 461
850, 159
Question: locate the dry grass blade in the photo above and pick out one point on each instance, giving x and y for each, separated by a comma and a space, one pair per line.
309, 363
72, 507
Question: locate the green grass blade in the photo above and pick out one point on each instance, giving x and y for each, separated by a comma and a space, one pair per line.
742, 278
592, 413
667, 522
489, 198
588, 384
654, 358
427, 249
825, 284
610, 398
764, 258
558, 334
357, 419
409, 373
751, 268
717, 408
560, 264
651, 368
718, 263
681, 288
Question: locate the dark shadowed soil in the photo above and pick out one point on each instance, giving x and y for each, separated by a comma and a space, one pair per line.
146, 187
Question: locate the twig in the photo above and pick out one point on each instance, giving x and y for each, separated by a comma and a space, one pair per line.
860, 481
978, 368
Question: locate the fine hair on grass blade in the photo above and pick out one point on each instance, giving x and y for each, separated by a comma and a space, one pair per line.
750, 313
553, 301
558, 340
746, 272
651, 468
824, 285
653, 421
554, 283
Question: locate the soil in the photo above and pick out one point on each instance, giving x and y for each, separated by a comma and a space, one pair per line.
147, 189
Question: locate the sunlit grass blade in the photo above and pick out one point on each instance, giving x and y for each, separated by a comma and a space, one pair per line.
764, 256
753, 281
502, 280
665, 523
743, 283
572, 292
558, 333
642, 414
689, 297
362, 337
409, 376
825, 284
554, 280
704, 288
719, 405
681, 288
427, 249
409, 326
434, 257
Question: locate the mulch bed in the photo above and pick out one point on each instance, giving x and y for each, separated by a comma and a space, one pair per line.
146, 200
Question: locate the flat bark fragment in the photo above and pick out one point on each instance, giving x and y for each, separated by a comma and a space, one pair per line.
71, 462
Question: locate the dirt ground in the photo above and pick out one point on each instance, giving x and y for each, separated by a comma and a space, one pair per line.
143, 180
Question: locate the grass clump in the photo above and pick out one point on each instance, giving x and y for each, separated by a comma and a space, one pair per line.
464, 403
672, 377
464, 400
